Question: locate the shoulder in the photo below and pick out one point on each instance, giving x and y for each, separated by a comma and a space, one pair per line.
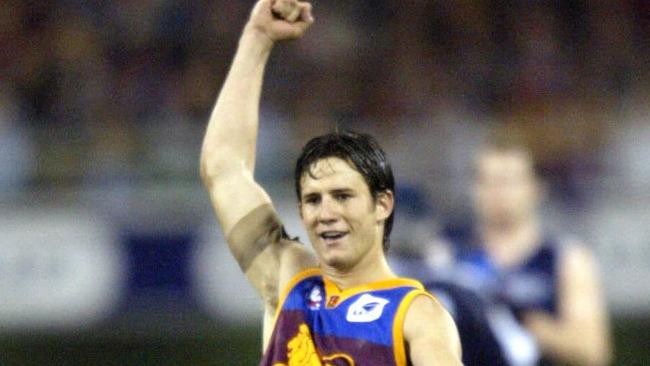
575, 254
425, 310
276, 298
428, 326
266, 253
299, 282
288, 258
578, 263
579, 280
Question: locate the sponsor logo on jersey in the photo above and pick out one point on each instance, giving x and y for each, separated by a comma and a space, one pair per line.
366, 309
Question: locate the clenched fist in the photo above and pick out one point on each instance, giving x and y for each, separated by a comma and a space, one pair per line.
286, 9
280, 19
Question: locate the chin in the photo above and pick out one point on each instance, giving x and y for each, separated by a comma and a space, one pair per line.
338, 262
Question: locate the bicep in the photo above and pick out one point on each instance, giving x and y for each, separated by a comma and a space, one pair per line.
254, 232
246, 216
431, 334
234, 196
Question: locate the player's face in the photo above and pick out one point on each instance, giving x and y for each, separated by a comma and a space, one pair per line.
505, 189
342, 220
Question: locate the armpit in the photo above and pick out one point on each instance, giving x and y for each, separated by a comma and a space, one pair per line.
254, 233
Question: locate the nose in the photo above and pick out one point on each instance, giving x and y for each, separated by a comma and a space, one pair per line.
328, 211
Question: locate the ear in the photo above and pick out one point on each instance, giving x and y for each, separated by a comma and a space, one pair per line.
385, 204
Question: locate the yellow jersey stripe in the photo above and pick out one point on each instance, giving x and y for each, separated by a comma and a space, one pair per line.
398, 325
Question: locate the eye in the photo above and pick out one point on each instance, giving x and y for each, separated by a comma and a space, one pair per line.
342, 196
311, 199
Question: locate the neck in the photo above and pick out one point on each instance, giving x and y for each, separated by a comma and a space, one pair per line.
510, 243
373, 267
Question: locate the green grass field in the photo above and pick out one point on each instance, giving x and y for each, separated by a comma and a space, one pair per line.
222, 346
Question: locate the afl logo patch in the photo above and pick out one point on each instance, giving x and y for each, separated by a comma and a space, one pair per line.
315, 299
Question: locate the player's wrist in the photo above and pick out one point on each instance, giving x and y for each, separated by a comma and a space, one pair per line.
256, 39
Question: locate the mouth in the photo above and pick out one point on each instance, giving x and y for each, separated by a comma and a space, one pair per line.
332, 237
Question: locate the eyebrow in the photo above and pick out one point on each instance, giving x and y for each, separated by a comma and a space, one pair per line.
341, 190
331, 191
312, 194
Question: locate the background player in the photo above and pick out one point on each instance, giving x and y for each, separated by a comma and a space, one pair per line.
345, 214
550, 283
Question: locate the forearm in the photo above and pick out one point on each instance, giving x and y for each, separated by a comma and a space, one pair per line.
232, 130
571, 343
229, 143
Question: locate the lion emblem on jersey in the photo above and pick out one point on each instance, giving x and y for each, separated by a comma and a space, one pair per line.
302, 352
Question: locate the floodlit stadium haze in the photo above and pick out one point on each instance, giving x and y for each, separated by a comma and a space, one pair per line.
110, 253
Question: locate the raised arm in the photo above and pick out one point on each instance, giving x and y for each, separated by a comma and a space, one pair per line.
244, 210
229, 143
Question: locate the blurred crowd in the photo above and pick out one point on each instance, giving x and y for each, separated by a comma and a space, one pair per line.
95, 92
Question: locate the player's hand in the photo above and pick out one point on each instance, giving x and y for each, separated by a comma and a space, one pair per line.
280, 20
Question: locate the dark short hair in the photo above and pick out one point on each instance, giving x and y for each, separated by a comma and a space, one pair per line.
360, 150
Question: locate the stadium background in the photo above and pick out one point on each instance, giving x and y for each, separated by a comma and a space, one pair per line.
109, 251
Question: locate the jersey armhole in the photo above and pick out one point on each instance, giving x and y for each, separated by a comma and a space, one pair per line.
398, 325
